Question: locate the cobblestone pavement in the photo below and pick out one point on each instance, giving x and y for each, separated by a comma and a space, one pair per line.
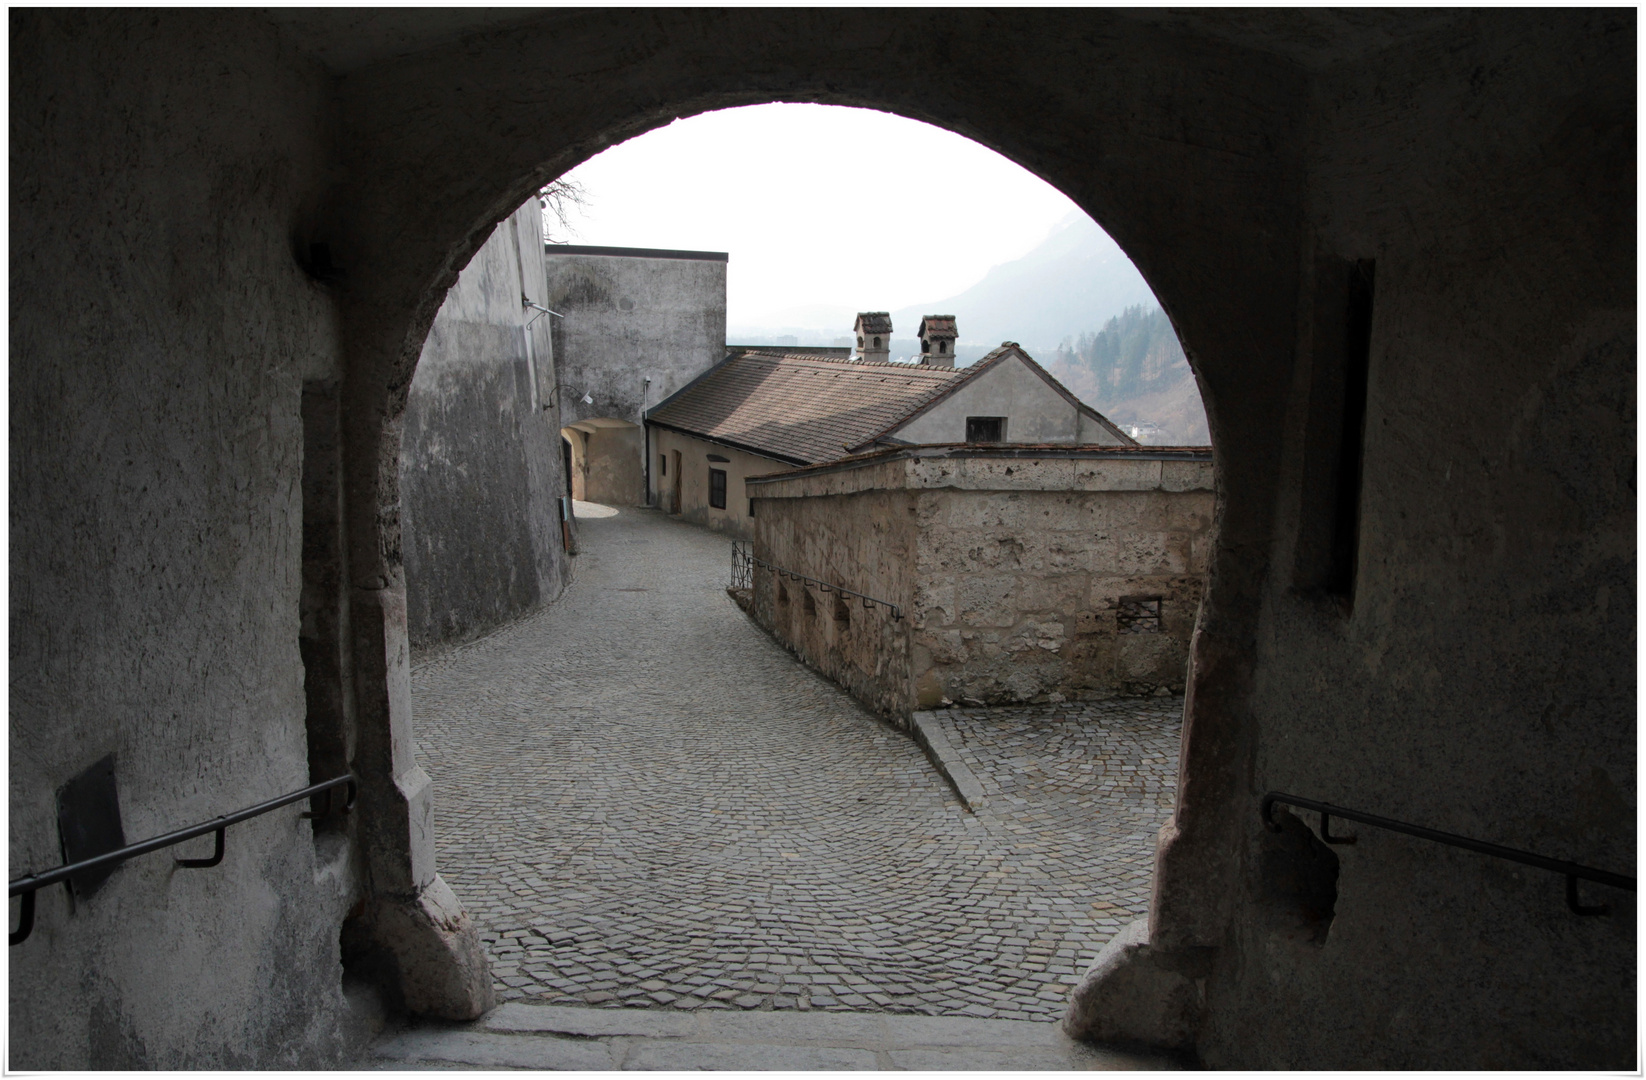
643, 800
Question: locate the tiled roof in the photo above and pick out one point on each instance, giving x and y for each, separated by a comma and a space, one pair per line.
796, 405
873, 322
940, 325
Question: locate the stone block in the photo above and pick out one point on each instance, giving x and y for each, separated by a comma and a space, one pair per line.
517, 1017
492, 1050
1187, 476
1109, 474
985, 600
745, 1056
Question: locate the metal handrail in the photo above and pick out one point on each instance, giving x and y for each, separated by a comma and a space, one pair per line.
1573, 871
825, 587
27, 886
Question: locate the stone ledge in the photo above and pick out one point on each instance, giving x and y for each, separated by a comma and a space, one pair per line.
929, 734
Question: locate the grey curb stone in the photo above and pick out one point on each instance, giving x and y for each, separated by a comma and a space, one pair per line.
931, 739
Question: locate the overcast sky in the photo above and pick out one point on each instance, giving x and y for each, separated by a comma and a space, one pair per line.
820, 207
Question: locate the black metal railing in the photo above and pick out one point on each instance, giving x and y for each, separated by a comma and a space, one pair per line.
826, 587
1573, 871
742, 565
26, 887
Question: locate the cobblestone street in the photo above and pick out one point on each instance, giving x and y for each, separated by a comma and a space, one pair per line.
643, 800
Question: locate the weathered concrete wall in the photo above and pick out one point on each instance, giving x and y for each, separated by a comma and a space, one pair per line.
1029, 578
630, 316
687, 493
864, 542
1035, 413
161, 337
480, 460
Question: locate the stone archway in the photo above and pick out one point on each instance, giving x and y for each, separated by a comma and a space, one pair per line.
1134, 146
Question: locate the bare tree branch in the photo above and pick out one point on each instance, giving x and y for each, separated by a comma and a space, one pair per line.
560, 200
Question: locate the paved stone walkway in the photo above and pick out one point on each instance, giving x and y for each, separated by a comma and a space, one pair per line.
645, 801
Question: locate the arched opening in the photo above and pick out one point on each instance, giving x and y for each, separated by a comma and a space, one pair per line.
607, 461
695, 477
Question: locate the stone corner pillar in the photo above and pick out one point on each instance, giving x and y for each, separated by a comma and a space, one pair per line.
1137, 995
411, 920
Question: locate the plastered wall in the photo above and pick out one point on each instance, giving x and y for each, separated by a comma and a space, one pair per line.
1034, 411
693, 484
629, 318
161, 337
480, 463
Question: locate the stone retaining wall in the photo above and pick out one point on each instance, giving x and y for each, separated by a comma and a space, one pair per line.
1073, 574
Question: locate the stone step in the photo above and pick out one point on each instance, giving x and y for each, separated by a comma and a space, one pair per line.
521, 1036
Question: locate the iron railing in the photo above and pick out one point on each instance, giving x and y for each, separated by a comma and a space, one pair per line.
742, 565
1573, 871
26, 887
826, 588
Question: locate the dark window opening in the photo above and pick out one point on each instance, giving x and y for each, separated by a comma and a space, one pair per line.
717, 488
1138, 615
877, 343
926, 345
985, 429
662, 464
1345, 552
942, 346
751, 508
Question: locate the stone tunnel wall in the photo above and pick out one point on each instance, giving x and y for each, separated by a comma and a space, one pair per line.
1021, 578
481, 470
162, 335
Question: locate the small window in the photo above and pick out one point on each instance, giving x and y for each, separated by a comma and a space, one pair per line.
717, 488
942, 346
1138, 615
926, 345
662, 464
985, 429
860, 341
877, 343
751, 508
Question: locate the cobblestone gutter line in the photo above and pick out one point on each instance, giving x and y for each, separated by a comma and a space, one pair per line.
644, 801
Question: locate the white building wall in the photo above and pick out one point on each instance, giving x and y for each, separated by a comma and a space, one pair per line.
1035, 412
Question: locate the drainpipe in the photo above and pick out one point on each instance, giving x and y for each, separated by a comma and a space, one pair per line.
646, 440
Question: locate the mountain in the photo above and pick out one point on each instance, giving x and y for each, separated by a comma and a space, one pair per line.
1080, 307
1075, 280
1134, 372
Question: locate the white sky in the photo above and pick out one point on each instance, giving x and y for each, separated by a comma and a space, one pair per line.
820, 207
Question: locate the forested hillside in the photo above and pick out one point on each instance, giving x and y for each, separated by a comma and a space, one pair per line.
1134, 372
